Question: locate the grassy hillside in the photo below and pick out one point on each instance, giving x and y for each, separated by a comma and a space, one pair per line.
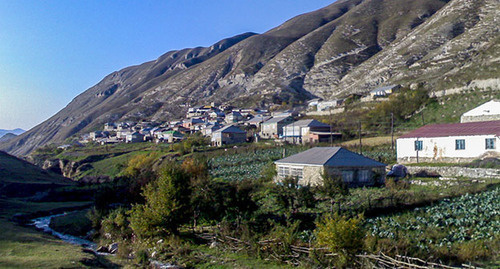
19, 178
24, 247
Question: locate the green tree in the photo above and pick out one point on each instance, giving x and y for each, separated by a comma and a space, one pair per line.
291, 196
166, 204
334, 188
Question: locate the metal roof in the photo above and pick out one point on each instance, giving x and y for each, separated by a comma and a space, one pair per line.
276, 119
308, 123
330, 156
231, 129
385, 88
456, 129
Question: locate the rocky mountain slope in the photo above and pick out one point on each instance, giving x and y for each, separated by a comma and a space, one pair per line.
349, 46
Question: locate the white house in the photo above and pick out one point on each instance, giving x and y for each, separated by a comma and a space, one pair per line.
309, 166
326, 105
486, 112
384, 91
456, 142
307, 131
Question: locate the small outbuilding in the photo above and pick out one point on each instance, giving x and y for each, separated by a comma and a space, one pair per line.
488, 111
308, 166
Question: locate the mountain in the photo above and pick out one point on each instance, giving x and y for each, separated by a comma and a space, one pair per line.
16, 131
350, 46
6, 137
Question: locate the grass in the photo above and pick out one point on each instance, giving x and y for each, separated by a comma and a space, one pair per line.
369, 141
24, 247
217, 258
75, 223
448, 109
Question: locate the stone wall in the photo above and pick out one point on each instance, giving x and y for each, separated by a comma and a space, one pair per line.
312, 175
455, 171
479, 118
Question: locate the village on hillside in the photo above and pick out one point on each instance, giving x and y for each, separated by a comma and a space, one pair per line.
475, 136
226, 125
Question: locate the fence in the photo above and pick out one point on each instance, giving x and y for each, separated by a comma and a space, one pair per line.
373, 260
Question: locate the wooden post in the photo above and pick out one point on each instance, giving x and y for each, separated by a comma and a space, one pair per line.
331, 128
360, 143
392, 133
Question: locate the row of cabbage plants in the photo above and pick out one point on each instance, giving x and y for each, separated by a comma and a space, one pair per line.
247, 164
467, 218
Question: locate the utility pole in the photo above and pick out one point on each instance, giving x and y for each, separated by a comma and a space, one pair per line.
360, 143
392, 133
423, 120
331, 128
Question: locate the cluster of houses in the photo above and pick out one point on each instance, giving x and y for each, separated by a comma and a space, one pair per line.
224, 125
477, 136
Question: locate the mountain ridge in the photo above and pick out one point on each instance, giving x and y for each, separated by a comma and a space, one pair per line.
347, 47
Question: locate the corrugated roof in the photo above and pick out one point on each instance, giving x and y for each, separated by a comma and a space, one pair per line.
275, 119
330, 156
308, 123
230, 129
384, 88
456, 129
489, 108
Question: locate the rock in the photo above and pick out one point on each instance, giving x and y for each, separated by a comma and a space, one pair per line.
214, 244
102, 249
113, 248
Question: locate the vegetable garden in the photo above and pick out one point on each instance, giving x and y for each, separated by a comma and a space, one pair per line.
248, 164
449, 223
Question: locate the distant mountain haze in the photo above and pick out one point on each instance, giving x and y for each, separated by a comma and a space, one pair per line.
350, 46
16, 131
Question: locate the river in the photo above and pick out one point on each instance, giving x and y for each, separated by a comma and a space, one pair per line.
43, 223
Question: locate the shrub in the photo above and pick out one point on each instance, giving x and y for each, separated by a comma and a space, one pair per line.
167, 204
341, 235
116, 225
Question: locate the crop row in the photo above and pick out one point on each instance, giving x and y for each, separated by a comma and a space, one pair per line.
248, 164
469, 217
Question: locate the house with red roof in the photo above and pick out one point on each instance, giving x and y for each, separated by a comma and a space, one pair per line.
454, 143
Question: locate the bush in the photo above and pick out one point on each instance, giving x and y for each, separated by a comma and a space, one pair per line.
167, 204
116, 225
341, 235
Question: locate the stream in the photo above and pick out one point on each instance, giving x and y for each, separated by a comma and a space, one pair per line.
43, 223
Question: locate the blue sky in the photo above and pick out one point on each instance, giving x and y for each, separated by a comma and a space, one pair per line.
51, 51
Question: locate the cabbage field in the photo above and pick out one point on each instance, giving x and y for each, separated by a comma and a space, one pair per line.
248, 164
467, 218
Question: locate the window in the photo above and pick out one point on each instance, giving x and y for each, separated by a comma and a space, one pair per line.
364, 175
460, 144
347, 176
285, 171
419, 145
490, 143
296, 172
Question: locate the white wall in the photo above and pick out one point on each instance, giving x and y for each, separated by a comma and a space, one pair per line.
443, 148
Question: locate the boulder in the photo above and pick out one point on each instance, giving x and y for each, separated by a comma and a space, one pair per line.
113, 248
